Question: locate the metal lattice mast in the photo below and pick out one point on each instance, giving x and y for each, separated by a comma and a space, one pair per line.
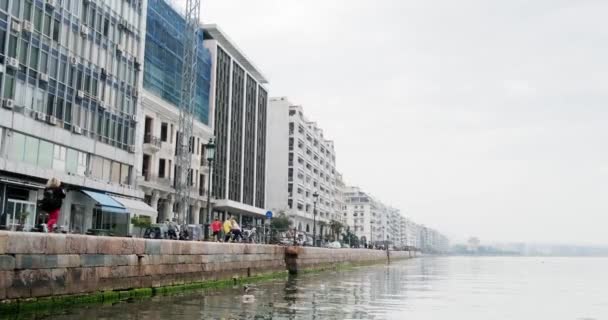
186, 108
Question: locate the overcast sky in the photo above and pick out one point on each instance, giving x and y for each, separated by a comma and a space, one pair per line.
479, 118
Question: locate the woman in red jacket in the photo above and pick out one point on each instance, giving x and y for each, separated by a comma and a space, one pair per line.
52, 201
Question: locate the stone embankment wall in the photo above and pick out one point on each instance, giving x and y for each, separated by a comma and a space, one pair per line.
303, 258
41, 265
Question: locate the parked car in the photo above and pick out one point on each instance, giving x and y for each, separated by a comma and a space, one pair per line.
157, 231
333, 245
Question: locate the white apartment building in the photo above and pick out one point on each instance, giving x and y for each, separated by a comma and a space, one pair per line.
238, 98
159, 133
340, 208
362, 214
412, 231
70, 79
301, 164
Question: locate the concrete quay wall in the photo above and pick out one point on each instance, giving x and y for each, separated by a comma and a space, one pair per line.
34, 265
304, 258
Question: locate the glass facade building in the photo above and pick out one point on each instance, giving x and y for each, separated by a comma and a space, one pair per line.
163, 59
72, 63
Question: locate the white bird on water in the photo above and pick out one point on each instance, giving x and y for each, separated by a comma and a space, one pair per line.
247, 297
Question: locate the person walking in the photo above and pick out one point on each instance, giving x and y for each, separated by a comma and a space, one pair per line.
236, 230
51, 202
227, 230
216, 227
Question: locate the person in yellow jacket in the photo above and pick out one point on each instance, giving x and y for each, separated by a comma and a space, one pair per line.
227, 230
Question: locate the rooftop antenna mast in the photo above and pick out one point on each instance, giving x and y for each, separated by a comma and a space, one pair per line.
185, 143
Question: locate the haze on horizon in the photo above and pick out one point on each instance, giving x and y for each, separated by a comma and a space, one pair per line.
478, 118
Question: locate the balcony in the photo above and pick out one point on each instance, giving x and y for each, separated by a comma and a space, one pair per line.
151, 143
156, 182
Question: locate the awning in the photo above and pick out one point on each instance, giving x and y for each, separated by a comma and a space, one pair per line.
106, 202
137, 207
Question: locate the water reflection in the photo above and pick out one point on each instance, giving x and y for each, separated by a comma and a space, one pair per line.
426, 288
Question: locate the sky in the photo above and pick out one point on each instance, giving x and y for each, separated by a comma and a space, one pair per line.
475, 117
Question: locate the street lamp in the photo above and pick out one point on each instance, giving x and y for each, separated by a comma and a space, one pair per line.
314, 219
210, 151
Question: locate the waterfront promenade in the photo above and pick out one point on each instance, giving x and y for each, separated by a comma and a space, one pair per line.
39, 265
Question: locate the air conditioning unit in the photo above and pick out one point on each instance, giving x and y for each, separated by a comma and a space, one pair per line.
12, 63
52, 120
77, 129
73, 60
50, 3
134, 117
43, 77
80, 94
8, 104
132, 149
27, 27
41, 116
16, 26
84, 30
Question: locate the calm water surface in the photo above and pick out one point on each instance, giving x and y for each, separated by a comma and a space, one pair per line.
422, 288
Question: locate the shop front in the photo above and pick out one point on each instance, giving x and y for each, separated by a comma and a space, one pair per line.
18, 211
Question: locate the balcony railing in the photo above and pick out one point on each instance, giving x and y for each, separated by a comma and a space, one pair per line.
152, 140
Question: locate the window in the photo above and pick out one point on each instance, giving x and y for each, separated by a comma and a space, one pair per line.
115, 172
161, 168
163, 132
125, 173
31, 150
17, 147
107, 166
59, 157
97, 167
45, 154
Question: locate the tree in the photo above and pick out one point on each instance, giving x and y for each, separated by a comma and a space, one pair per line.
336, 228
141, 222
280, 223
351, 238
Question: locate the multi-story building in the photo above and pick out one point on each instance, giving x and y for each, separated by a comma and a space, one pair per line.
70, 78
340, 208
432, 241
412, 231
362, 214
159, 133
301, 164
239, 99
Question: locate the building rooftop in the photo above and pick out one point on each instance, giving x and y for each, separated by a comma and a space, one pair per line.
212, 31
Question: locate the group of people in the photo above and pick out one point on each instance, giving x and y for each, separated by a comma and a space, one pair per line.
54, 194
232, 230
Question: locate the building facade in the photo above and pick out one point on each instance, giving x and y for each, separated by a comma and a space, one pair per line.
239, 100
70, 79
159, 132
361, 214
301, 164
340, 208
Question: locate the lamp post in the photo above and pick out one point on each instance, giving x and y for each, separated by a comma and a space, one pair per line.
210, 151
314, 219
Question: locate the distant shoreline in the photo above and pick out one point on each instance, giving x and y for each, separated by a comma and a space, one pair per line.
527, 256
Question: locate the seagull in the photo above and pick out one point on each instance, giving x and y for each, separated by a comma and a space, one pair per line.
248, 298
